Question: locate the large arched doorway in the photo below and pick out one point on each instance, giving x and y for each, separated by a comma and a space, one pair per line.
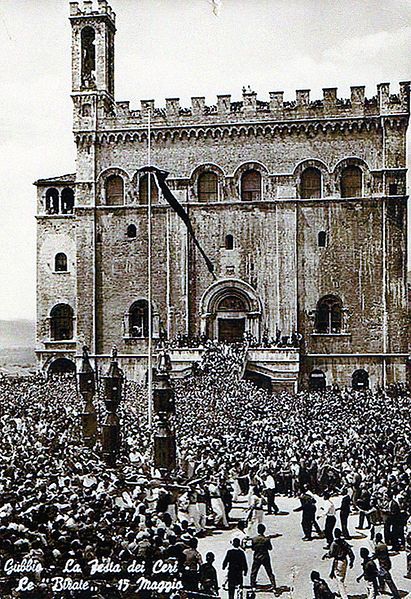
317, 380
230, 311
62, 366
231, 314
360, 380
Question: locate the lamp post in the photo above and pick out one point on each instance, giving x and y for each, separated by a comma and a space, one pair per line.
87, 388
164, 408
110, 430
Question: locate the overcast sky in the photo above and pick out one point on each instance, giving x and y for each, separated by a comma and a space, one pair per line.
170, 48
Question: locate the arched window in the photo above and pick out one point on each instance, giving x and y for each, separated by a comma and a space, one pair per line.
67, 200
138, 319
208, 187
251, 186
114, 191
311, 183
322, 239
131, 231
328, 318
60, 262
143, 189
88, 57
351, 182
229, 242
61, 322
52, 201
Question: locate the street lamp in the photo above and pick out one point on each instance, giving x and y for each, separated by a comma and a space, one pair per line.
87, 389
164, 408
110, 430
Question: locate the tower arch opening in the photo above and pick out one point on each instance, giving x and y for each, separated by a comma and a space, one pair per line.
88, 57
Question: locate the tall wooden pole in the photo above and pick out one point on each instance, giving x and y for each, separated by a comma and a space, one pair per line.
150, 308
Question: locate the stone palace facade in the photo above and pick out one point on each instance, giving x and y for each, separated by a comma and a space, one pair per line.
301, 206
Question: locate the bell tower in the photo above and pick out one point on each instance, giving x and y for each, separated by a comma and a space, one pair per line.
93, 31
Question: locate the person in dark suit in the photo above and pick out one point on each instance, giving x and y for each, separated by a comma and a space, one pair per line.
208, 576
236, 562
345, 511
261, 546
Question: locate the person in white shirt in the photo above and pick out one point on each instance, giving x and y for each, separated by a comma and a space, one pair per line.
269, 491
329, 512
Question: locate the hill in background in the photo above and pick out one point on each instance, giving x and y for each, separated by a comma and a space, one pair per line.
17, 344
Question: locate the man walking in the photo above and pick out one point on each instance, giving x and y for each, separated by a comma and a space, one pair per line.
329, 509
340, 552
384, 562
308, 510
236, 562
369, 573
269, 488
261, 546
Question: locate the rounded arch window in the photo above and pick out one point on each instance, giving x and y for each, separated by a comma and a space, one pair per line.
60, 262
229, 242
52, 201
310, 183
208, 187
61, 322
351, 182
328, 317
67, 200
131, 231
138, 319
143, 188
114, 190
251, 186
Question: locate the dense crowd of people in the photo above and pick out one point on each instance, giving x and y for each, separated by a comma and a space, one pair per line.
59, 500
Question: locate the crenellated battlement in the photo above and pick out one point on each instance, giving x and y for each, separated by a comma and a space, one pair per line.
250, 108
88, 9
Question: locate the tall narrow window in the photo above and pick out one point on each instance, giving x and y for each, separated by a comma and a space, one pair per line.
61, 322
208, 187
67, 200
143, 189
328, 318
52, 201
60, 262
251, 186
88, 57
131, 231
114, 191
138, 319
322, 239
311, 183
351, 182
229, 242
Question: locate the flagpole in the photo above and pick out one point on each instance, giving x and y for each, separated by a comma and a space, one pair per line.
150, 309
